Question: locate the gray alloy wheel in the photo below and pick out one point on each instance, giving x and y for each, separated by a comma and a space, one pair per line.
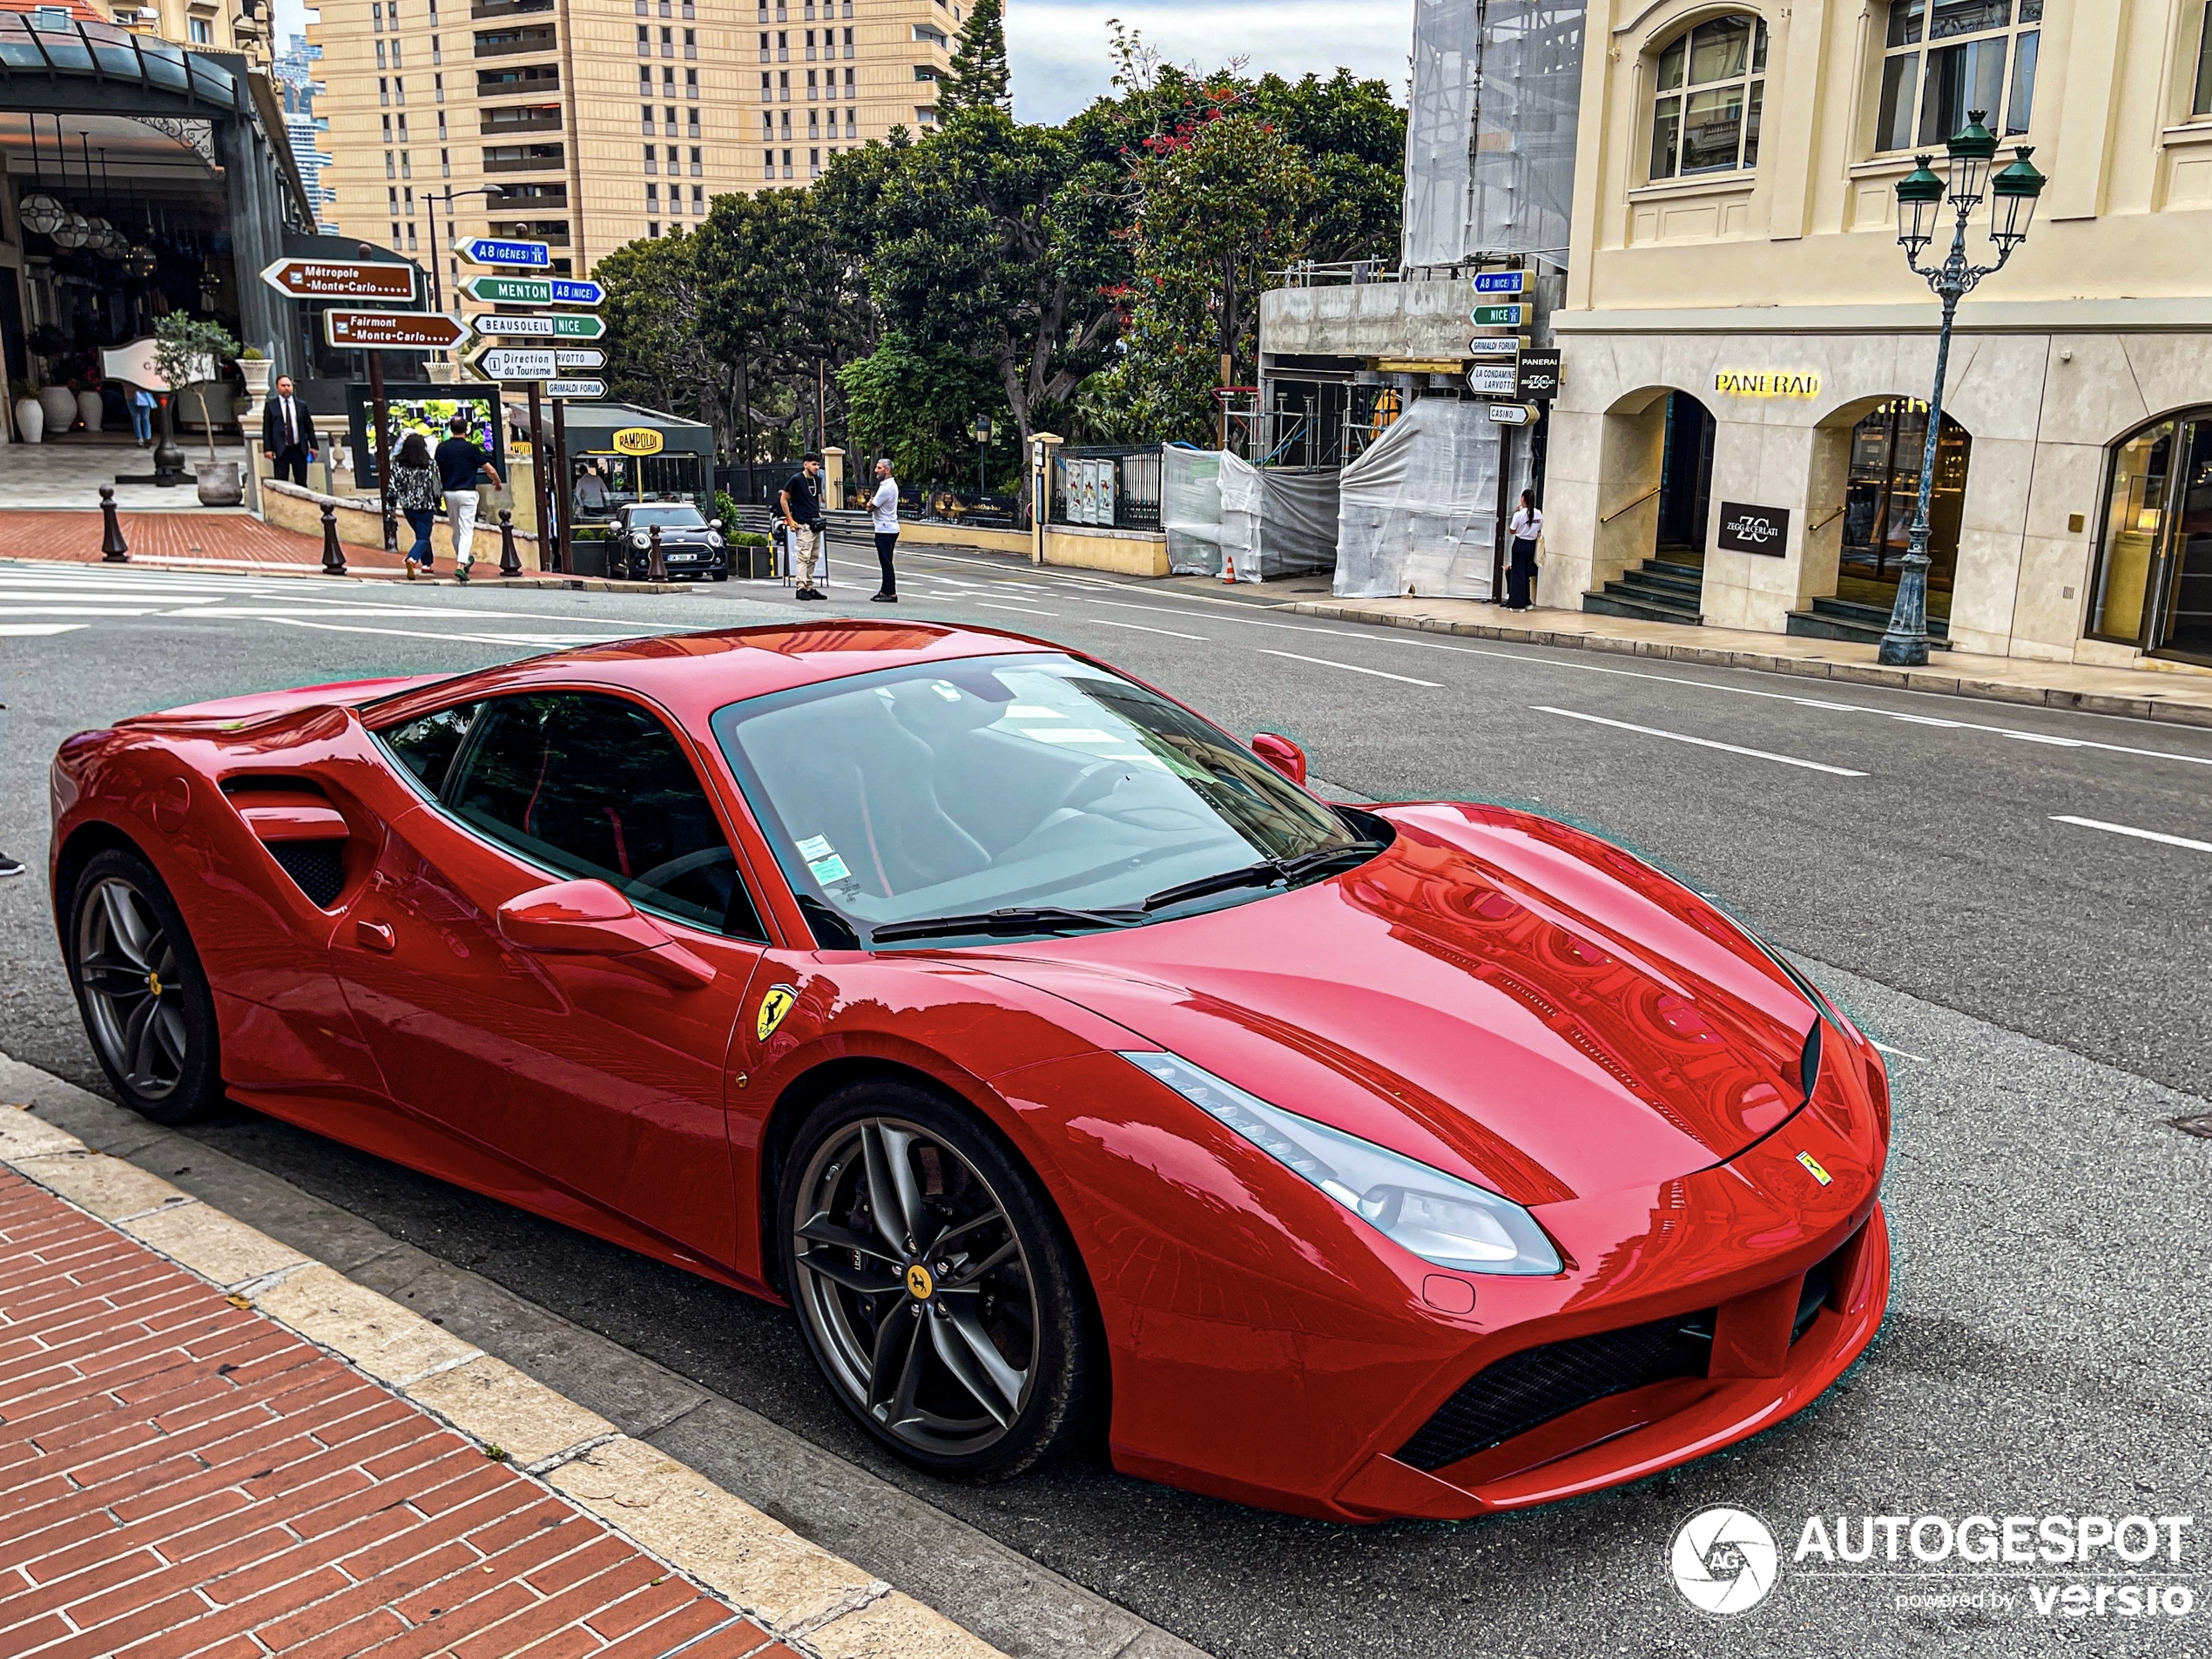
915, 1288
132, 983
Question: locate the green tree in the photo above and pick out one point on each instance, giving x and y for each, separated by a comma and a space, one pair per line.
658, 353
979, 75
190, 351
914, 403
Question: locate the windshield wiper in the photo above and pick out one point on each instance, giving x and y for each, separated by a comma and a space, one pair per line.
1032, 919
1266, 873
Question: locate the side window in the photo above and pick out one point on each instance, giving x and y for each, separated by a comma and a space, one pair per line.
426, 748
595, 786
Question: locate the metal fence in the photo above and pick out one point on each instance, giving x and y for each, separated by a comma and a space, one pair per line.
1112, 485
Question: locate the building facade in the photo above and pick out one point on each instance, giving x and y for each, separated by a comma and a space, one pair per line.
595, 123
1746, 352
295, 70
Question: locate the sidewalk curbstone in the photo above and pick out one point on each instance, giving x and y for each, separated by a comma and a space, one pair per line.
813, 1604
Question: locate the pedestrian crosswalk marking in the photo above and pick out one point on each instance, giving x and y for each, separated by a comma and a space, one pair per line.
37, 630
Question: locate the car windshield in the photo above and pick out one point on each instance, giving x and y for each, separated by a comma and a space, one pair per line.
679, 518
1014, 795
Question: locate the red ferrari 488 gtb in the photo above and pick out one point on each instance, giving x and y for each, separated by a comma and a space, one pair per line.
1060, 1059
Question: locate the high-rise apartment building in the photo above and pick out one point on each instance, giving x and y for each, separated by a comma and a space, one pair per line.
294, 69
587, 124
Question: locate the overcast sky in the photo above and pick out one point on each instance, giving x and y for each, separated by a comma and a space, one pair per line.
1058, 47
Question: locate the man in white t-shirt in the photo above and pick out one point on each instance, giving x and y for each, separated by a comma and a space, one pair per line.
883, 511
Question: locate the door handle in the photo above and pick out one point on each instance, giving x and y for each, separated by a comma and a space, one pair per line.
375, 935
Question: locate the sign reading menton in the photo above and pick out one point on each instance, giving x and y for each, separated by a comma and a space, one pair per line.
1767, 382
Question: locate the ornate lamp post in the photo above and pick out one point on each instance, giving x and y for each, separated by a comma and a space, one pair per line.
1920, 198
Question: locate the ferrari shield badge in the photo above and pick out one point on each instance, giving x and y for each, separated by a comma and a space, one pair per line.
1811, 1163
774, 1006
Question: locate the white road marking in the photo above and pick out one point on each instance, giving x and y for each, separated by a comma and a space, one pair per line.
2129, 829
76, 610
13, 591
37, 630
1353, 668
1901, 1053
1019, 610
1108, 622
419, 633
1702, 743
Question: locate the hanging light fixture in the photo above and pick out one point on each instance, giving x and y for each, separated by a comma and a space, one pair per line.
38, 211
73, 231
141, 260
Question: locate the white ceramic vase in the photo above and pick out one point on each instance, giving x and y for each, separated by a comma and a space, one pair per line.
90, 410
30, 420
60, 404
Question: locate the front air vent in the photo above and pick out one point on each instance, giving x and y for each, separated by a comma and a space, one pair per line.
319, 867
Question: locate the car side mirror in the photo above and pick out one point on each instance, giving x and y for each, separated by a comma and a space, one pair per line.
714, 523
1282, 754
591, 919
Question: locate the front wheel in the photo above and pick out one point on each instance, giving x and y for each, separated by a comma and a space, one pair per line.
935, 1287
139, 986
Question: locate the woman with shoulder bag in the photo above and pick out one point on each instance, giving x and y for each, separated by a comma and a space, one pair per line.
414, 493
1527, 525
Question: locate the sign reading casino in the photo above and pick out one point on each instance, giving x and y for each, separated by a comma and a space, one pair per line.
1766, 382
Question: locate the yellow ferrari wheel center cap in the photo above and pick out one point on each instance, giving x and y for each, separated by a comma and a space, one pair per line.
153, 983
919, 1285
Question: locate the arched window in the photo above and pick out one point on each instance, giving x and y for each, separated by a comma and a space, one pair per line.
1706, 116
1946, 57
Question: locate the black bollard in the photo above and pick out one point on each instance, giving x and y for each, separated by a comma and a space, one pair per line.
334, 555
656, 567
113, 549
511, 562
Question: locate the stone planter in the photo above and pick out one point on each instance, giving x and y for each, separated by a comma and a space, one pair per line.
90, 410
219, 484
30, 420
257, 374
60, 404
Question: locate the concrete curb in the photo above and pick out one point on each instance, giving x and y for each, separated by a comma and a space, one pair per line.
800, 1593
1912, 679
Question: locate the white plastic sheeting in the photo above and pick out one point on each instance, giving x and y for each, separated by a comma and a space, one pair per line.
1418, 511
1269, 522
1490, 137
1278, 521
1190, 510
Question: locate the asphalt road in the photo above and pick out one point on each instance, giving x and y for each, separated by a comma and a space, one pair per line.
2041, 981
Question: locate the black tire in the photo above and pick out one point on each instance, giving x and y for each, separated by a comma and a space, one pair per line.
1034, 1305
155, 1040
719, 575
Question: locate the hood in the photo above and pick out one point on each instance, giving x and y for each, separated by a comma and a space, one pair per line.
1499, 995
259, 706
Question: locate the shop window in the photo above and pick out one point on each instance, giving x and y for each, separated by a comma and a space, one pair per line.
2201, 104
2153, 585
1882, 495
1946, 57
1711, 83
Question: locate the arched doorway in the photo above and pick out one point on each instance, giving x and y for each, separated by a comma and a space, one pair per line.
1657, 460
1685, 482
2153, 587
1881, 494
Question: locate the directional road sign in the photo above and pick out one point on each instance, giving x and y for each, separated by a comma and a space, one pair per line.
393, 330
533, 291
1491, 380
576, 389
540, 327
1513, 413
390, 282
580, 357
1511, 316
501, 250
514, 363
1494, 346
1499, 281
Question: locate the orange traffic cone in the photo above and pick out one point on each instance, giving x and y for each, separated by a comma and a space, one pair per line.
1227, 566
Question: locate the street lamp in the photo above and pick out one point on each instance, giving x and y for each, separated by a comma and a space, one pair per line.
1921, 195
979, 429
489, 192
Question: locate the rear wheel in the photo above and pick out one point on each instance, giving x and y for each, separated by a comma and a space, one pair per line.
934, 1285
145, 1002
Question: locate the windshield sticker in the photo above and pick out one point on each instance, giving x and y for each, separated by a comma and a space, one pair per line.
815, 847
829, 869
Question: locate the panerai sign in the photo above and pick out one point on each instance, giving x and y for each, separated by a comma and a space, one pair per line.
1766, 382
1755, 529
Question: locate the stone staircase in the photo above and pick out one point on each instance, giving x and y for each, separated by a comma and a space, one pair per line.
1832, 618
1657, 590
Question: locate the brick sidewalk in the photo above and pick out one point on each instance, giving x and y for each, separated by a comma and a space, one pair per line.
179, 1474
181, 538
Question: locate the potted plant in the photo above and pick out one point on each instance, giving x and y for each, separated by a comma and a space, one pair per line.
186, 350
30, 416
254, 364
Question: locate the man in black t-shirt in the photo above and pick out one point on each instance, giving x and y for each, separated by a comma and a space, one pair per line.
801, 502
461, 461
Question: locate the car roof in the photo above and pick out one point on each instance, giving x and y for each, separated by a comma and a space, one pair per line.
692, 675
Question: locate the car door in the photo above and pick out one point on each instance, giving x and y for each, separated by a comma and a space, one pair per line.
598, 1074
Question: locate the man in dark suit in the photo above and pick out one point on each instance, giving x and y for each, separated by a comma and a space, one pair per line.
288, 433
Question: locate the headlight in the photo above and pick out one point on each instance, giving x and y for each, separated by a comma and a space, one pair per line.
1439, 1218
638, 539
713, 539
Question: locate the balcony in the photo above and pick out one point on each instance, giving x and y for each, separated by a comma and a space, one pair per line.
523, 158
521, 119
535, 80
506, 42
496, 8
553, 232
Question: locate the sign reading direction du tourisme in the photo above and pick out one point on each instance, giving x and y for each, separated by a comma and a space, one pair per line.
514, 363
